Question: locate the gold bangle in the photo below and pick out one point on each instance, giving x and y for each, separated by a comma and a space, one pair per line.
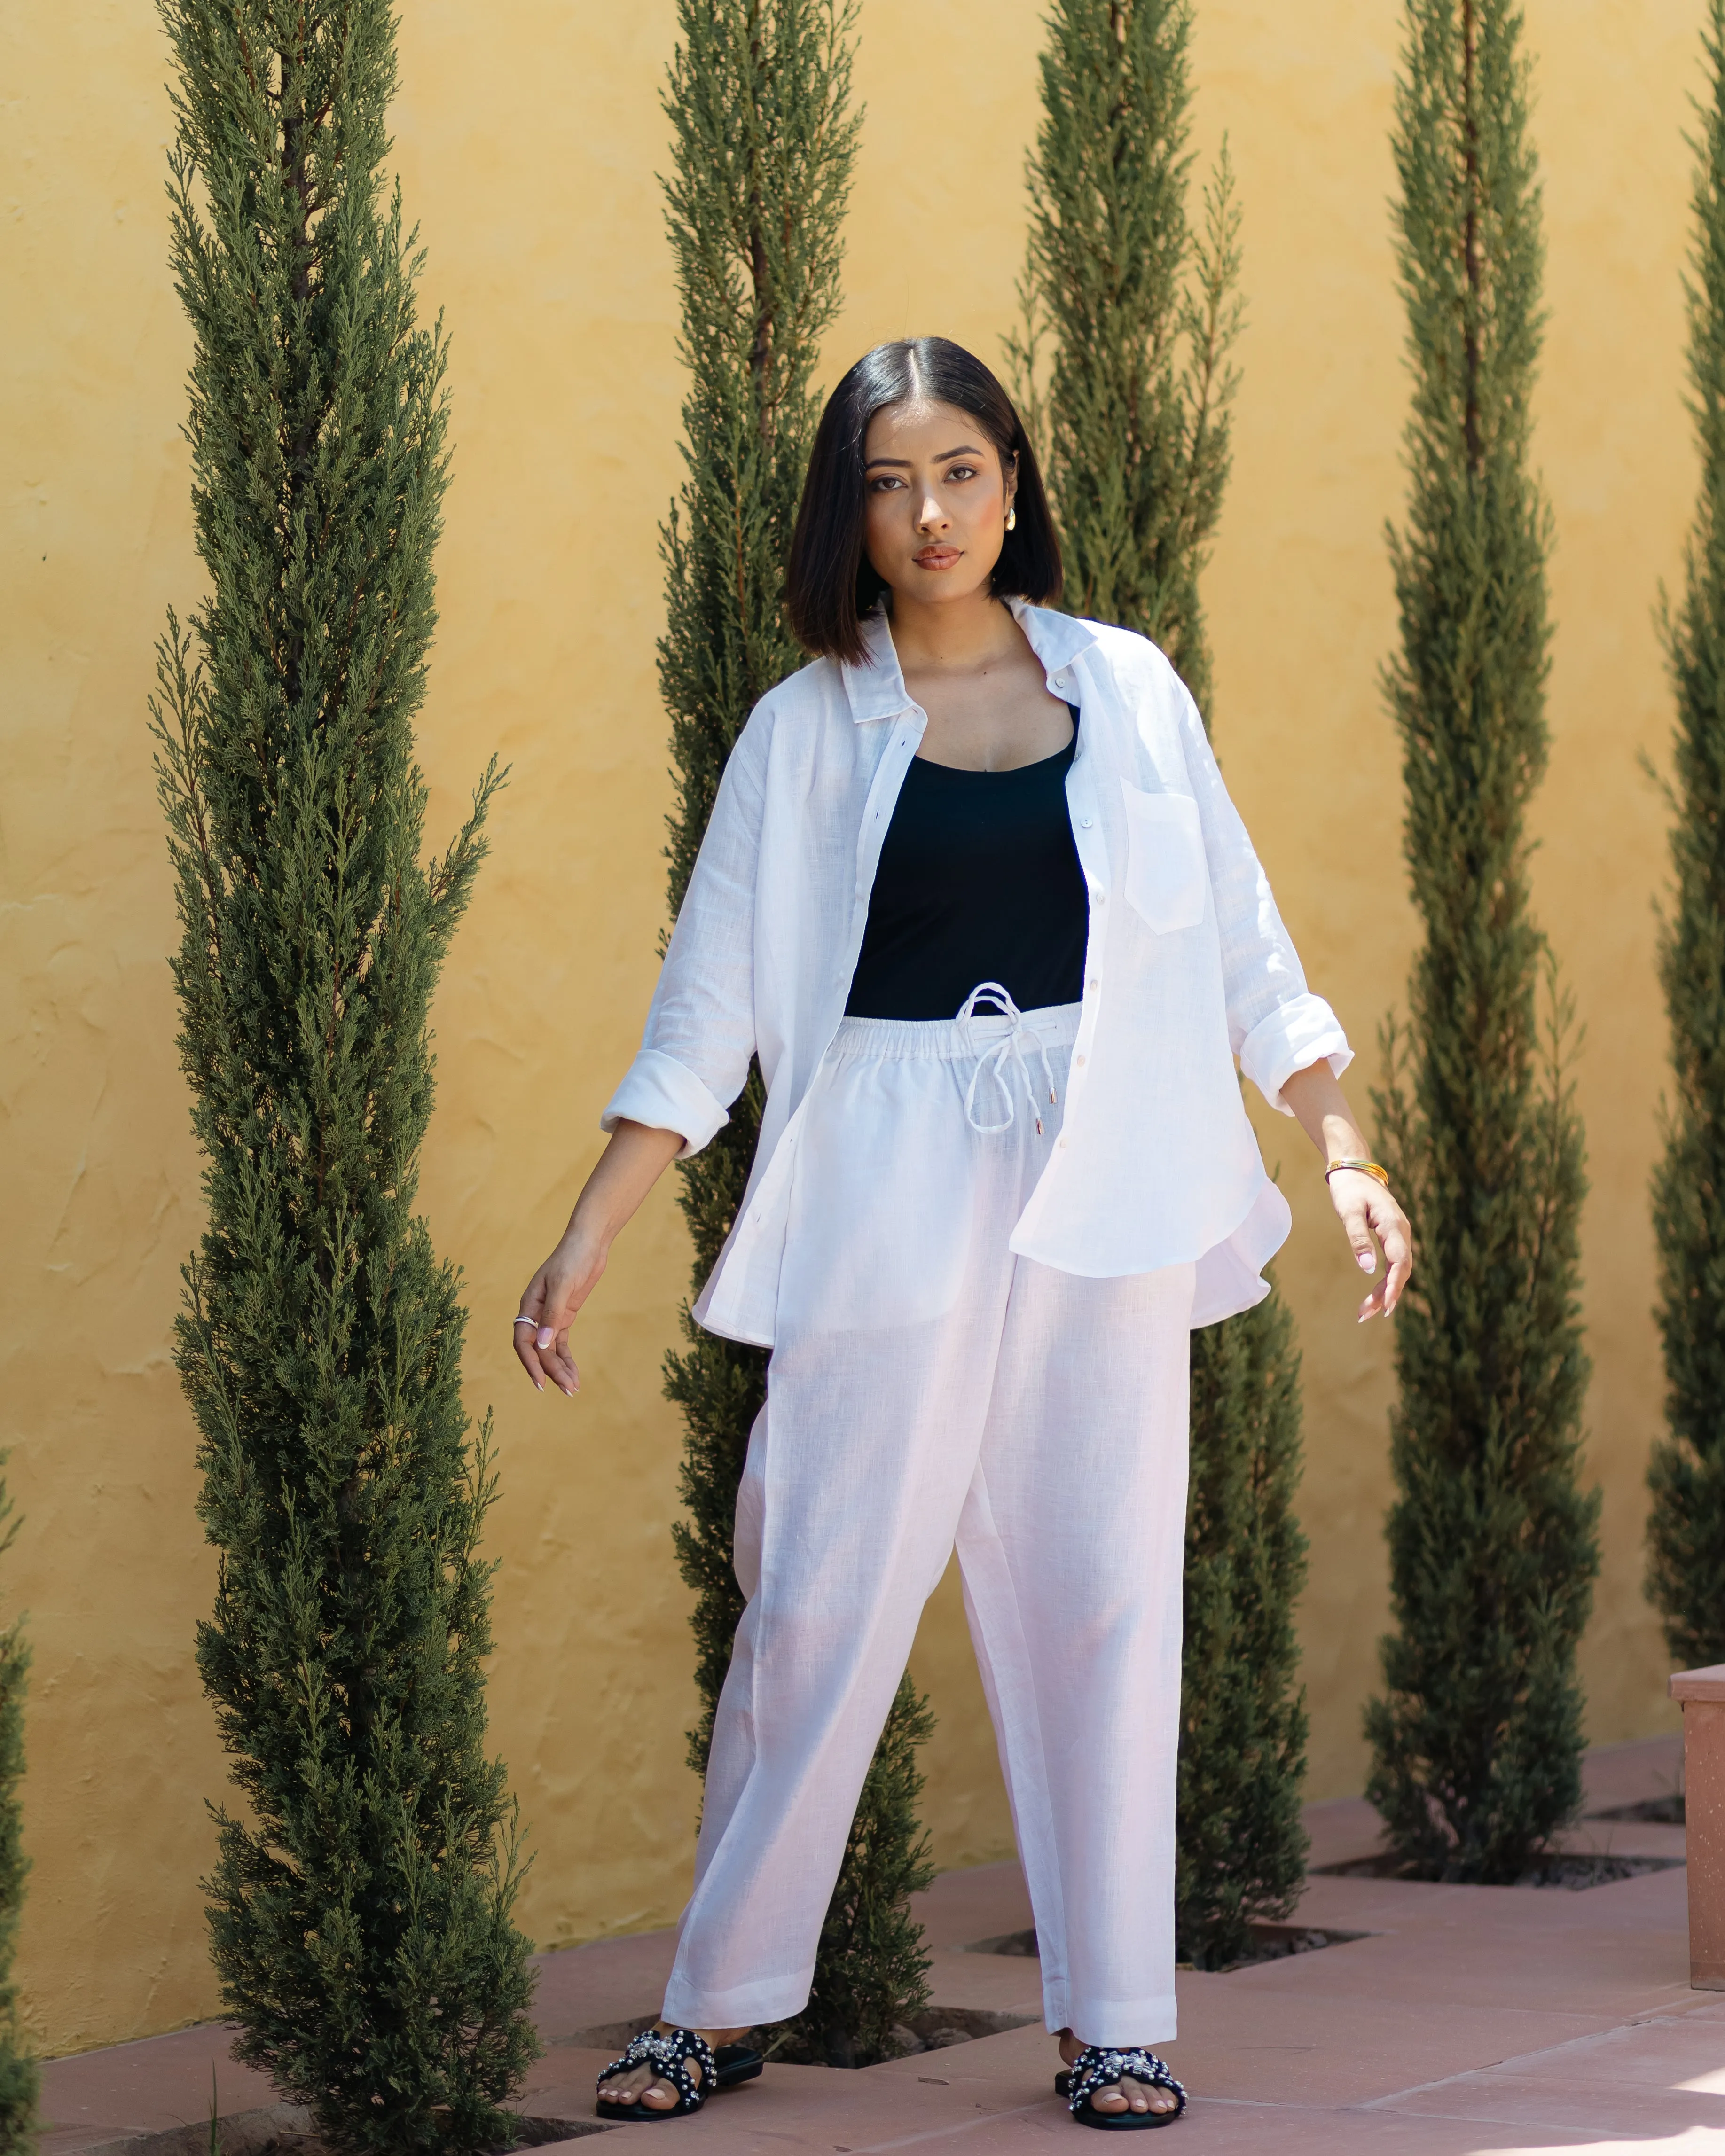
1364, 1166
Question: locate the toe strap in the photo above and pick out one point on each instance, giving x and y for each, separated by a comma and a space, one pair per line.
1096, 2068
668, 2052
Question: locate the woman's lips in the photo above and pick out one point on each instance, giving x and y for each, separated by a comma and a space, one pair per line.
937, 557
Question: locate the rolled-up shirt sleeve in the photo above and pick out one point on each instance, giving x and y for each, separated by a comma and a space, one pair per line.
1275, 1025
700, 1034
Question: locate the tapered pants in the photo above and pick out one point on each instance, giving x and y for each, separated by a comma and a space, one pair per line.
929, 1390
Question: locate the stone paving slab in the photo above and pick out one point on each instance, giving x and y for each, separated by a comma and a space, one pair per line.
1472, 2022
936, 2093
962, 1907
1653, 2079
150, 2086
608, 1981
987, 1983
1315, 2050
1628, 1773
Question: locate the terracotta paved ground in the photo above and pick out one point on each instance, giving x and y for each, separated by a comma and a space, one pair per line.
1470, 2020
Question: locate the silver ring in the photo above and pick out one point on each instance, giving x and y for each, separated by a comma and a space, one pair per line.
533, 1321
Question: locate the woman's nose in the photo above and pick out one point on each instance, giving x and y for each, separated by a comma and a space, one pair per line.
930, 514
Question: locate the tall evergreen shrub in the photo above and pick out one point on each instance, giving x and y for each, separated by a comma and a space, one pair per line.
361, 1904
764, 142
19, 2077
1476, 1739
1137, 312
1686, 1532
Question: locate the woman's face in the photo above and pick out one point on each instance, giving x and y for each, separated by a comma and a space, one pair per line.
937, 501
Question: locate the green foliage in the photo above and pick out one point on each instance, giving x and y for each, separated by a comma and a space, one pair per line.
1130, 415
1131, 411
764, 143
872, 1970
1476, 1741
360, 1905
1240, 1846
1685, 1573
19, 2077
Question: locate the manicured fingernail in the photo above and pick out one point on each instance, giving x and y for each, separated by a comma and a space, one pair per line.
541, 1338
1368, 1263
538, 1384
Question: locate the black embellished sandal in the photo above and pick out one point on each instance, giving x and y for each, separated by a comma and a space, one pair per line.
667, 2051
1096, 2068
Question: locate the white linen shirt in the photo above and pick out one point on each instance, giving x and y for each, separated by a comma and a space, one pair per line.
1186, 966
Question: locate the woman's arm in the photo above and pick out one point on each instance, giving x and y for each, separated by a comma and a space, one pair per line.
1365, 1206
627, 1170
1275, 1025
694, 1060
700, 1034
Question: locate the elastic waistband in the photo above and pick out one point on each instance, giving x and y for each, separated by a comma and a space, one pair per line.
950, 1040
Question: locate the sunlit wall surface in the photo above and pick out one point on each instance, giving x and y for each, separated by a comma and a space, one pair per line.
528, 137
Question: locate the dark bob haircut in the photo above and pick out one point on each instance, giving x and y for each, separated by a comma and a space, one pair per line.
830, 583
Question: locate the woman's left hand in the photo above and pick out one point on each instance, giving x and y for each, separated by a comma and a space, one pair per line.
1373, 1219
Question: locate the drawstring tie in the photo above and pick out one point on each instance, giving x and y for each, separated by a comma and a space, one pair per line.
1010, 1047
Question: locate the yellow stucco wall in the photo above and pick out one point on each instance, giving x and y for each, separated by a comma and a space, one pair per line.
527, 142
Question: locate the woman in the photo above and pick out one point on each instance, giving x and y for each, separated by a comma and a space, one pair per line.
974, 894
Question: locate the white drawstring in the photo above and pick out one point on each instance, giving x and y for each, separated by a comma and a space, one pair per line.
993, 1059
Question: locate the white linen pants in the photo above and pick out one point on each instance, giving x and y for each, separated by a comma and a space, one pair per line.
927, 1388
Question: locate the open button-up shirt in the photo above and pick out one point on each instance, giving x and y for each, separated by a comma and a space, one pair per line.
1188, 966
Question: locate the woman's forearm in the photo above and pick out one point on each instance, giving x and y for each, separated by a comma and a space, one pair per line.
630, 1165
1366, 1208
624, 1172
1320, 1109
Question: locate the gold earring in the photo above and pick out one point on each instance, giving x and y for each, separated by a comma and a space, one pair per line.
1012, 520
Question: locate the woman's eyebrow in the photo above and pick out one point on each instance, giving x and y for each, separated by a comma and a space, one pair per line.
903, 464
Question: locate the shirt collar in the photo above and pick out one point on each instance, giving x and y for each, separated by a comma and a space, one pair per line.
876, 688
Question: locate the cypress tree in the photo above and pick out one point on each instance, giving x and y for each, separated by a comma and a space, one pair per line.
361, 1902
1477, 1740
1139, 312
1686, 1529
19, 2078
764, 140
1240, 1852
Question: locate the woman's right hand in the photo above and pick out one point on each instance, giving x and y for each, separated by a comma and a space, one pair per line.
638, 1155
551, 1299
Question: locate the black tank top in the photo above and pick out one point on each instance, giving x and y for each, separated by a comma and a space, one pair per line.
978, 881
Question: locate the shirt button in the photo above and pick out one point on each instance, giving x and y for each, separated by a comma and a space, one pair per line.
1063, 1145
1096, 980
1084, 823
1101, 898
1078, 1060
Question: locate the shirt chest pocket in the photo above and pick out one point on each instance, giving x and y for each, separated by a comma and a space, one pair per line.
1166, 871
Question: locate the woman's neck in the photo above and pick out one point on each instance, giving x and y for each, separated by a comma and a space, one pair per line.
958, 636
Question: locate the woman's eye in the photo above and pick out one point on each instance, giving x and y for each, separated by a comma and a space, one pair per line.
880, 485
961, 471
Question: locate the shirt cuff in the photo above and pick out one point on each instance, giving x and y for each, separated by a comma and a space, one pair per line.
1294, 1036
666, 1095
